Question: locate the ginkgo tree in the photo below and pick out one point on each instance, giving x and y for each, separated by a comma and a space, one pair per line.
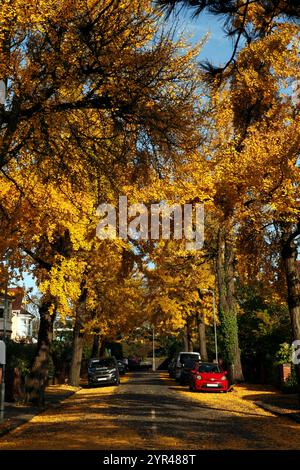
255, 145
270, 148
256, 150
97, 99
70, 67
176, 285
102, 102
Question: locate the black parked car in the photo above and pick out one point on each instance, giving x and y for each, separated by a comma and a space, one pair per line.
186, 371
103, 371
172, 367
121, 367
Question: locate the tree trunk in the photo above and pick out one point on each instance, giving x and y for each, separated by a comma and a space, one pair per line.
185, 339
96, 346
37, 380
78, 340
201, 337
189, 335
102, 346
228, 307
290, 254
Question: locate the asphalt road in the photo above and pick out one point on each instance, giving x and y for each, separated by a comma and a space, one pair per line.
148, 411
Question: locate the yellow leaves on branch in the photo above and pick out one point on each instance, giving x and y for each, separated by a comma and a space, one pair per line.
63, 284
174, 283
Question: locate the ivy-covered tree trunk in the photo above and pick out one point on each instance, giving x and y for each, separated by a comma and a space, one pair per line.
78, 341
201, 336
228, 307
37, 379
290, 254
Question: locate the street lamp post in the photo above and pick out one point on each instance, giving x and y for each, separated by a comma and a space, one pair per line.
210, 291
2, 397
153, 349
5, 316
3, 94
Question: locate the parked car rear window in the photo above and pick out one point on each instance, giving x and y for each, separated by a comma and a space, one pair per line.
209, 368
190, 362
103, 363
184, 357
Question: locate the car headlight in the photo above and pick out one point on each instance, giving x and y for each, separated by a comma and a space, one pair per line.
198, 377
224, 377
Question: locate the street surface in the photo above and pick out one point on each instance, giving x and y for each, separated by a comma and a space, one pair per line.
150, 411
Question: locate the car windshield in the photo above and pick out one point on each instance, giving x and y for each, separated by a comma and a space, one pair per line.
186, 356
102, 363
212, 368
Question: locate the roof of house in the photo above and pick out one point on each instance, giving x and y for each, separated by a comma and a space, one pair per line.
18, 294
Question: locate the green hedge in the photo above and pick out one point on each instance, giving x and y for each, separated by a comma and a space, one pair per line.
19, 355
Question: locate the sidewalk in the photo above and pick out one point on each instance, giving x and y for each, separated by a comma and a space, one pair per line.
18, 413
271, 399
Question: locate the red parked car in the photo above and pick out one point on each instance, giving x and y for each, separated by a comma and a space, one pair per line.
208, 377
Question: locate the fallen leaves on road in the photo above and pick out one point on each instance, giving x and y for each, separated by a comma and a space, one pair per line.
55, 430
151, 414
241, 402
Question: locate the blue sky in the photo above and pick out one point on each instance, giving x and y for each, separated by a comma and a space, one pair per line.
29, 282
218, 47
217, 50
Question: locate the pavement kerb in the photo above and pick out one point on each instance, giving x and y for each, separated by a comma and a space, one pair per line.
277, 412
14, 423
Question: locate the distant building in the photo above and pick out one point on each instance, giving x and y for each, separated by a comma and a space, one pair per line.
19, 320
63, 330
7, 324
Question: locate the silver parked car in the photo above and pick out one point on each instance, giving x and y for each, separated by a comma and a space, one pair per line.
181, 360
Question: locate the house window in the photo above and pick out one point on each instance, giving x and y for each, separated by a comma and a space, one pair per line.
1, 312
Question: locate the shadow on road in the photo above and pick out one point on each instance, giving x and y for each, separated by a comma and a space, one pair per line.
145, 412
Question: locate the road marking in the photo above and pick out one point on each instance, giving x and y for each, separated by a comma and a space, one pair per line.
153, 418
